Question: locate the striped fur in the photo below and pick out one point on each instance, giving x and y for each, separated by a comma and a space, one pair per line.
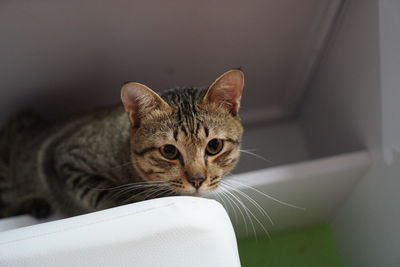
105, 158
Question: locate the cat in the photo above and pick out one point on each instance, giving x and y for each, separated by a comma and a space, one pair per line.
182, 142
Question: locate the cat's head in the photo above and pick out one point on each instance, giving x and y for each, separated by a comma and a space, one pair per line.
187, 139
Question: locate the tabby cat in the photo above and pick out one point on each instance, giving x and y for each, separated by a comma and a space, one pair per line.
182, 142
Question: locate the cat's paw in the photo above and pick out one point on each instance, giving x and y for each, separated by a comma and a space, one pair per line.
40, 208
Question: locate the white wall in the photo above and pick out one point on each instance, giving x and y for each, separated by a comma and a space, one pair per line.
353, 102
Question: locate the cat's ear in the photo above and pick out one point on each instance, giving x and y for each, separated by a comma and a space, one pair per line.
138, 100
226, 91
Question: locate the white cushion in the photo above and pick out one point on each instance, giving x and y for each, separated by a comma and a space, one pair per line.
173, 231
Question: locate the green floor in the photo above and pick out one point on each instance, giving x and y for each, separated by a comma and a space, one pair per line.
311, 247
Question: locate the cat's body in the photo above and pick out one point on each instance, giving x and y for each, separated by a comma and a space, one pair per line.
46, 162
105, 158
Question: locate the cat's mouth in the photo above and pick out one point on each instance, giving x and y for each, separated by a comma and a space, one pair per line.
198, 186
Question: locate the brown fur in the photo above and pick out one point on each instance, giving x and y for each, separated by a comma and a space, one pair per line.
105, 158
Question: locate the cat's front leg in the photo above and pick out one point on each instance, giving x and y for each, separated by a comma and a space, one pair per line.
89, 191
93, 191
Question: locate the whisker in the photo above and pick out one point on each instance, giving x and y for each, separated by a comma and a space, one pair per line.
238, 207
134, 187
220, 200
268, 196
255, 155
255, 217
128, 188
156, 192
148, 190
246, 210
230, 204
151, 183
167, 191
252, 201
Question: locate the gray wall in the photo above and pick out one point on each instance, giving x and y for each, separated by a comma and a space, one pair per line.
66, 56
274, 144
341, 109
354, 103
61, 57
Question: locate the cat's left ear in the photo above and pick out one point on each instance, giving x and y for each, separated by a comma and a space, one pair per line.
139, 100
226, 91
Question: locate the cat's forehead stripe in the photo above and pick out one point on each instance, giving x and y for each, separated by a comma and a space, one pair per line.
185, 103
176, 134
183, 129
206, 131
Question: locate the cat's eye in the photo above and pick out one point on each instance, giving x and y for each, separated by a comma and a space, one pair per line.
169, 151
214, 146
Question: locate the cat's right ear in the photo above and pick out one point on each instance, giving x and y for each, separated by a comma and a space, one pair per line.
226, 91
138, 100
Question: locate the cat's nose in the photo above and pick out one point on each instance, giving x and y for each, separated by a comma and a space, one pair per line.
196, 181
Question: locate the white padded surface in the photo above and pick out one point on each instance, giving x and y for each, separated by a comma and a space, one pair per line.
174, 231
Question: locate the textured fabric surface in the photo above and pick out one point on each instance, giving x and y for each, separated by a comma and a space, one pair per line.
174, 231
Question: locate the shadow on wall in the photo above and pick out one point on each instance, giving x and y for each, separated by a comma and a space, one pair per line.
52, 51
73, 97
61, 97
